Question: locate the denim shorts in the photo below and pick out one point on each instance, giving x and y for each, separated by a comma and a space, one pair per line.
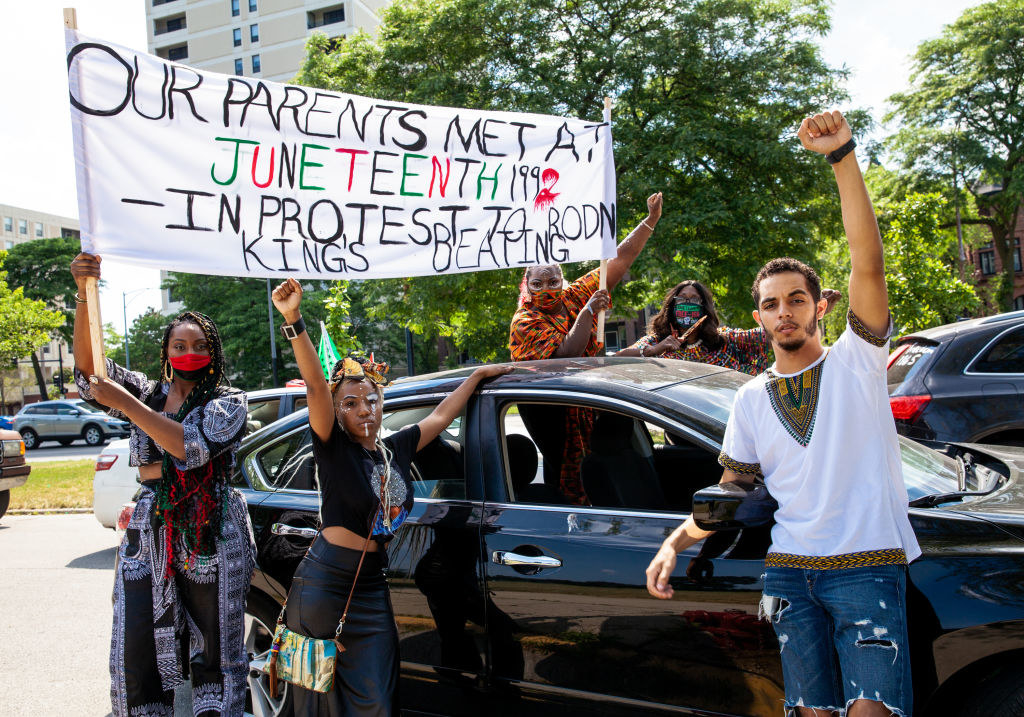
842, 635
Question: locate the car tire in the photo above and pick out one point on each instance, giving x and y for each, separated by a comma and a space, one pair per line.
260, 618
30, 437
5, 500
92, 434
1000, 693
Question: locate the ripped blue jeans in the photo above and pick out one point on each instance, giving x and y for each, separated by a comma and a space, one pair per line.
842, 635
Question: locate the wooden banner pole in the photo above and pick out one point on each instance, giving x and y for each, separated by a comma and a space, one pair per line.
92, 290
603, 276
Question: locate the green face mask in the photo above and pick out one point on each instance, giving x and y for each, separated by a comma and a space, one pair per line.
687, 313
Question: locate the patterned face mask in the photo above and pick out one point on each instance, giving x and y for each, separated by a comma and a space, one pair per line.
545, 300
687, 313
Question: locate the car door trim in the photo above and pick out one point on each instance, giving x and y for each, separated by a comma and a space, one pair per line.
557, 508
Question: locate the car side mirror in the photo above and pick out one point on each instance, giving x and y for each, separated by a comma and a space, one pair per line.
732, 505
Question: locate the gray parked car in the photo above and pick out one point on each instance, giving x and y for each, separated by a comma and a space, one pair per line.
65, 421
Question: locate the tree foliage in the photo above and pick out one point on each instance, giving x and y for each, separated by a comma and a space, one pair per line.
25, 324
239, 308
923, 288
963, 118
708, 94
145, 336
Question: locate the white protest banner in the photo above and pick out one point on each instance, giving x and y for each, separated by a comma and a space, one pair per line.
199, 172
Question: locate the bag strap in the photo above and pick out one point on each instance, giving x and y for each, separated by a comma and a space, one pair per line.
359, 567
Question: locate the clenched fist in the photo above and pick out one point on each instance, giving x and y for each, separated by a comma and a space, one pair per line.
825, 132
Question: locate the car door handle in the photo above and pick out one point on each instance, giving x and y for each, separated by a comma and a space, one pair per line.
515, 560
285, 529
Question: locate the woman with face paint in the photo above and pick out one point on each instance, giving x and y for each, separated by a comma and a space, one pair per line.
687, 328
187, 556
365, 495
553, 322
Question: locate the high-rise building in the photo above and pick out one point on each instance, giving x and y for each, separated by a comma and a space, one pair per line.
18, 225
255, 38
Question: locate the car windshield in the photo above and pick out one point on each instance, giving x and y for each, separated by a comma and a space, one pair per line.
925, 471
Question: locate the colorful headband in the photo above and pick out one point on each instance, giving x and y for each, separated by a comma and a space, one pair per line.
358, 368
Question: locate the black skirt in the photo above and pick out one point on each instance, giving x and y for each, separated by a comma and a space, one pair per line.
366, 673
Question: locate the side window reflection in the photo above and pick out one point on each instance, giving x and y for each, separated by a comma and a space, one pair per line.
438, 469
288, 463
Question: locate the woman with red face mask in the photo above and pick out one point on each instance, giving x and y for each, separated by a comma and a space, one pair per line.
186, 559
557, 322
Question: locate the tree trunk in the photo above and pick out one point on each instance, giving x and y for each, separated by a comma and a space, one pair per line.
43, 395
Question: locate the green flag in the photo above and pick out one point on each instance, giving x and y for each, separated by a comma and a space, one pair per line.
327, 351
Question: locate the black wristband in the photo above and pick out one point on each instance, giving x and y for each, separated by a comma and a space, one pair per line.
838, 154
292, 331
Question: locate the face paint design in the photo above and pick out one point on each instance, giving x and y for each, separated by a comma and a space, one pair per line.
687, 313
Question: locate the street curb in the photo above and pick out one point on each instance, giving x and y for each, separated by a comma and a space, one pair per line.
47, 511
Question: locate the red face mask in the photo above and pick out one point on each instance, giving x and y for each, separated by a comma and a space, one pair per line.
189, 362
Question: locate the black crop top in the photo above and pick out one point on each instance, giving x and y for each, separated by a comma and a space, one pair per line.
350, 480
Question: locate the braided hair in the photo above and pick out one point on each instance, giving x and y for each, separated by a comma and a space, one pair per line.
190, 503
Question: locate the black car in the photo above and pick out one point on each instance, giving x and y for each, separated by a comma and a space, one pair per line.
961, 382
511, 601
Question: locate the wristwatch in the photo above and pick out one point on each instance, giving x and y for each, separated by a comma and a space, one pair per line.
837, 155
292, 331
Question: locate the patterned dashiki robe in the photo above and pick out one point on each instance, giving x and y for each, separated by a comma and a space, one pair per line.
534, 335
744, 350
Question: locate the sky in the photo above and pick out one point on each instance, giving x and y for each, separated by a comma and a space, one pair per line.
874, 39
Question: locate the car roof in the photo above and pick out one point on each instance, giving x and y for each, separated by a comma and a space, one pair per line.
273, 392
627, 372
948, 331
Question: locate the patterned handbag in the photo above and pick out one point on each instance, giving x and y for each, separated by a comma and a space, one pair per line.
306, 661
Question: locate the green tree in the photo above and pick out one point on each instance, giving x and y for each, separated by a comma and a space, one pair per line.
145, 338
25, 324
962, 120
923, 288
708, 94
42, 268
239, 308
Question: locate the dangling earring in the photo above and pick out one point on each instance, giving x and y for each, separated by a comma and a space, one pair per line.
168, 374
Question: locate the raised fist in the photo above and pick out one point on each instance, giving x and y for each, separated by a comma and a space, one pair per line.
825, 132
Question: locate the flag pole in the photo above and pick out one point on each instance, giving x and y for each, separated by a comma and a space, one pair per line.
92, 290
603, 273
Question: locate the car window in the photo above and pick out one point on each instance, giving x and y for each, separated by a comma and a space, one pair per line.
261, 413
908, 360
66, 411
1006, 355
438, 470
40, 411
83, 406
288, 462
568, 454
299, 404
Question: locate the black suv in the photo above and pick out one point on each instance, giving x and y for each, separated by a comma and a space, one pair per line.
961, 382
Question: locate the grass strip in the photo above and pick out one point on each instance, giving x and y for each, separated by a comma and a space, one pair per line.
56, 484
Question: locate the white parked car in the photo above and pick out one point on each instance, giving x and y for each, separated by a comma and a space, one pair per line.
116, 482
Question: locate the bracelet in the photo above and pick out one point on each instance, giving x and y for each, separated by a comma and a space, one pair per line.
293, 330
79, 299
644, 222
837, 155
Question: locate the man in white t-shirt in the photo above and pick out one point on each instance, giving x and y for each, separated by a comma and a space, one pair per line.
818, 428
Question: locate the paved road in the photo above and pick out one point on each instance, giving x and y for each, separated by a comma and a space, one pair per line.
56, 574
55, 452
56, 577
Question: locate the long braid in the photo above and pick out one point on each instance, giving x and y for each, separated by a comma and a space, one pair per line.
190, 503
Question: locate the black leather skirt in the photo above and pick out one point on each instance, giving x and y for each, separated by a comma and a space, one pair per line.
366, 677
